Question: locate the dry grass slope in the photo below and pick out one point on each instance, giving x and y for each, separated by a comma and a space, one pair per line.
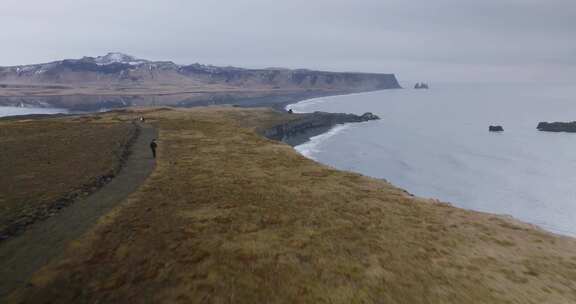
230, 217
45, 161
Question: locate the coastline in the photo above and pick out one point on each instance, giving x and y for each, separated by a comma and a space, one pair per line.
276, 99
313, 99
308, 147
9, 111
313, 135
283, 106
280, 223
305, 135
308, 125
306, 141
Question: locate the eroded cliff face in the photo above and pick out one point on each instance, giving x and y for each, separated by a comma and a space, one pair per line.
308, 125
283, 78
118, 80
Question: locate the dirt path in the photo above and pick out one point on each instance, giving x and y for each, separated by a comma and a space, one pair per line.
230, 217
20, 257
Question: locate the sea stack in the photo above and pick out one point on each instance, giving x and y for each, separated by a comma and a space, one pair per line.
421, 85
496, 129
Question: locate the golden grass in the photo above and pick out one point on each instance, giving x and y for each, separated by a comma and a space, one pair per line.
230, 217
43, 161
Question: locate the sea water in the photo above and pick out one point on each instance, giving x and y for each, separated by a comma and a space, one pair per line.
13, 111
435, 143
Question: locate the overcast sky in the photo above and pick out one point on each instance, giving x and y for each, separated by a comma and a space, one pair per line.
431, 40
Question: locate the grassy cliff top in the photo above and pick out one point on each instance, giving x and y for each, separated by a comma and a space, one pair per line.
45, 163
231, 217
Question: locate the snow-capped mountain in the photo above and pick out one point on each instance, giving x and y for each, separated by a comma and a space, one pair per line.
126, 70
116, 58
116, 80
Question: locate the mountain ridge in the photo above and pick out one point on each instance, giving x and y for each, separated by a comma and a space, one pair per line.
117, 76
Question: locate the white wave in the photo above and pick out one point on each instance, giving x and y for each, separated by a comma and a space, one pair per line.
300, 107
312, 147
304, 105
12, 111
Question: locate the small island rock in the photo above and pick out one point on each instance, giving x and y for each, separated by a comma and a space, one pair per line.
495, 129
421, 85
369, 116
557, 126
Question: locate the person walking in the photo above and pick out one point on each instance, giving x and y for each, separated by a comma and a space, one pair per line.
153, 146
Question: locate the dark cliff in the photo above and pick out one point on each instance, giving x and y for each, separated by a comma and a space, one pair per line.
291, 78
90, 71
301, 130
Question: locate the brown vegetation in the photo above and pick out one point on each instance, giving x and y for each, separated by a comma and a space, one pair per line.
230, 217
44, 164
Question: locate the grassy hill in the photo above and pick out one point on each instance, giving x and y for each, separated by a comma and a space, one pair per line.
231, 217
47, 163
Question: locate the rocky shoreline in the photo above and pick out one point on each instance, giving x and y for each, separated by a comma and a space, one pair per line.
297, 225
299, 131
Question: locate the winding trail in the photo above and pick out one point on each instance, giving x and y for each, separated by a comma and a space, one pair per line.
23, 255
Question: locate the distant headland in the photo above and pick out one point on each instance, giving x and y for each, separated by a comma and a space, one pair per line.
117, 80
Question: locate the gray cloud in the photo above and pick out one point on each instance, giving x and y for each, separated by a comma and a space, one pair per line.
505, 40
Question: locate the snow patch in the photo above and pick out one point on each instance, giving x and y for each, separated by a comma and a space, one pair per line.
111, 58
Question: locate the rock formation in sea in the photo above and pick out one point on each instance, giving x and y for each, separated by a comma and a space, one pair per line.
557, 126
421, 85
495, 129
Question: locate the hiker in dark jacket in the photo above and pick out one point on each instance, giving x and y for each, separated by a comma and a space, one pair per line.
153, 146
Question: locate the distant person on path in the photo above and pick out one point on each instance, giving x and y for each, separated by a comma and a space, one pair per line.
153, 146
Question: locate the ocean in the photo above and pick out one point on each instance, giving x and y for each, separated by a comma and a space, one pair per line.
12, 111
435, 143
